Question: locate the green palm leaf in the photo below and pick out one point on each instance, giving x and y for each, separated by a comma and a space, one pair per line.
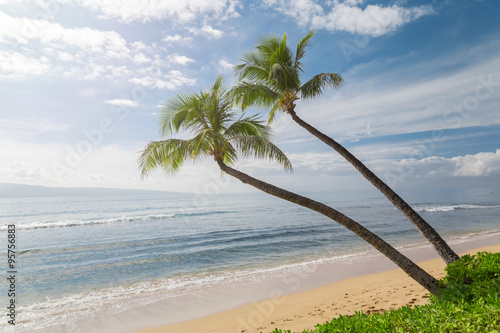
261, 148
246, 94
301, 49
209, 117
314, 87
166, 154
270, 76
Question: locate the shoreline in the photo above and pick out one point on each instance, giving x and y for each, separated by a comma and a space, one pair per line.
221, 297
389, 289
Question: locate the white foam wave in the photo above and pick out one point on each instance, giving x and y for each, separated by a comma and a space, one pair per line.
475, 236
109, 301
447, 208
74, 223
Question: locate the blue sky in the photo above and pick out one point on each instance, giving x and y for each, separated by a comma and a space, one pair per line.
82, 82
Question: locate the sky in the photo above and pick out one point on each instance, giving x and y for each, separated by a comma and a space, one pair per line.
82, 83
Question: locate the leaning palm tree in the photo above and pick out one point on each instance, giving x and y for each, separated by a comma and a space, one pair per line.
210, 119
270, 77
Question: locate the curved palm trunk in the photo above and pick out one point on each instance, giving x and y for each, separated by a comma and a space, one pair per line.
444, 250
408, 266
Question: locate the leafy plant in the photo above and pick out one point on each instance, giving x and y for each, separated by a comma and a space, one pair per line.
469, 303
472, 277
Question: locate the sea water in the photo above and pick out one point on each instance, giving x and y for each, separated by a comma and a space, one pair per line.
79, 257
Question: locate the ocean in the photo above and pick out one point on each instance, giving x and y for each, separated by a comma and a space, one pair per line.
98, 256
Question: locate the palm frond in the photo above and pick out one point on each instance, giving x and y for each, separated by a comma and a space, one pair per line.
230, 154
166, 154
272, 113
209, 116
253, 67
272, 57
314, 87
262, 148
201, 144
247, 94
173, 113
182, 111
301, 49
247, 126
267, 46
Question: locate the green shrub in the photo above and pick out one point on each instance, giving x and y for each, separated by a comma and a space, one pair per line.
471, 277
470, 302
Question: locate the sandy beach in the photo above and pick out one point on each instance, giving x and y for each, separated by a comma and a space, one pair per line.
369, 293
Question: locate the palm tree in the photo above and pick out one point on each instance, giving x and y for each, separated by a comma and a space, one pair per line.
270, 77
209, 118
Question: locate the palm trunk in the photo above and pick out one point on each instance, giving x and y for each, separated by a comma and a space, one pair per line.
443, 249
408, 266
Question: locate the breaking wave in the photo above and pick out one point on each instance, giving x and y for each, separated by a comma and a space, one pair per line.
448, 208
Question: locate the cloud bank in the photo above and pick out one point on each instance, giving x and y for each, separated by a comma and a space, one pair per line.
373, 20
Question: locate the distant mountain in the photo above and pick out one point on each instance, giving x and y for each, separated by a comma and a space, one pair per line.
8, 190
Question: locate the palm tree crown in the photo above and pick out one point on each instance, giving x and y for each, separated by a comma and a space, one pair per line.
270, 76
208, 117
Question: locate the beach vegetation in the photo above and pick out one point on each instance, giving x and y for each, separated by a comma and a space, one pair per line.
217, 133
469, 303
270, 77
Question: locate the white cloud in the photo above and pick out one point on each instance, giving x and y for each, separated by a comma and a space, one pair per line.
226, 66
25, 30
211, 32
146, 10
122, 102
15, 66
65, 56
373, 20
177, 39
182, 60
48, 49
175, 80
482, 164
141, 58
206, 30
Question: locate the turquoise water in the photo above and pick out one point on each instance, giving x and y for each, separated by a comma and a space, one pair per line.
79, 256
